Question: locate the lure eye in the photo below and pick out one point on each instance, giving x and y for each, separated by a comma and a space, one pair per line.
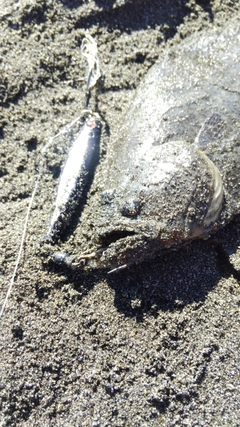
130, 208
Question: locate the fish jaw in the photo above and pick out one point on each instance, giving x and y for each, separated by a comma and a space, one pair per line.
121, 247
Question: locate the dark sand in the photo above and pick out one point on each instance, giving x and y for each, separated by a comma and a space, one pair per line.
157, 345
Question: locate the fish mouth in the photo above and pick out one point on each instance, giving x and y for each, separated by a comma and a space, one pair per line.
116, 245
111, 244
121, 245
108, 237
127, 230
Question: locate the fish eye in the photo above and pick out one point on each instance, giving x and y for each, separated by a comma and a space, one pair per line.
131, 208
107, 196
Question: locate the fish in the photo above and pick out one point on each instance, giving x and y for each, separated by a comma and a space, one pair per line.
172, 170
73, 177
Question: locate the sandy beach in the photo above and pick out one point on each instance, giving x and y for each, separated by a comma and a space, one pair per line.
156, 344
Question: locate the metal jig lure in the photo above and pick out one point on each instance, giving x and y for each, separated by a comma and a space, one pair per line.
73, 176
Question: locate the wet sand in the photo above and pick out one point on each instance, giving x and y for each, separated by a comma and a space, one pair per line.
154, 345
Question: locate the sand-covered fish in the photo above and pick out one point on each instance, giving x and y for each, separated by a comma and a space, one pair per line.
172, 173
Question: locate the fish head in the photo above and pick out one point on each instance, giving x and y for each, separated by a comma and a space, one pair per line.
172, 194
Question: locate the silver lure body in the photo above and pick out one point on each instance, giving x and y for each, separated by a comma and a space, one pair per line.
73, 176
172, 170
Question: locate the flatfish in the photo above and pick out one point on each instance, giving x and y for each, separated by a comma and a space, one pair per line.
172, 173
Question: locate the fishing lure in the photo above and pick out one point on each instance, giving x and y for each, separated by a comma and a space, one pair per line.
73, 176
80, 157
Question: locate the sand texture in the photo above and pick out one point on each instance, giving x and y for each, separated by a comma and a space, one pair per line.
154, 345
